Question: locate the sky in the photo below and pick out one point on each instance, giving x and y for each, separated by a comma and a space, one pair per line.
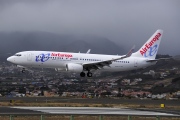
125, 22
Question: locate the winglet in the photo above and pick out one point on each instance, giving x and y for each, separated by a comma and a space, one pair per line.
130, 52
88, 51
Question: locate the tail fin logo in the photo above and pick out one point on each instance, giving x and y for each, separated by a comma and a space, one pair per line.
148, 46
152, 51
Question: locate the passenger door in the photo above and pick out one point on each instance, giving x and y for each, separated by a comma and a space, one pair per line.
29, 56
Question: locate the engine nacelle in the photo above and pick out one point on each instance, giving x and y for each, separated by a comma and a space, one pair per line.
72, 67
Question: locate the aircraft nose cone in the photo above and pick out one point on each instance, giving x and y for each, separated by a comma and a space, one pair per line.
10, 59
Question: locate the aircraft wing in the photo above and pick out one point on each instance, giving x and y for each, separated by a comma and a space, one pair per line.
101, 64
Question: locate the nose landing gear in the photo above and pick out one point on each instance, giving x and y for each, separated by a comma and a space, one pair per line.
23, 70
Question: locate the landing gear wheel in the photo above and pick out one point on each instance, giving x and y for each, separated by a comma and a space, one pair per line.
82, 74
89, 74
23, 70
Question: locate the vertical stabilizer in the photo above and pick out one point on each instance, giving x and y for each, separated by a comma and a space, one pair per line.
150, 48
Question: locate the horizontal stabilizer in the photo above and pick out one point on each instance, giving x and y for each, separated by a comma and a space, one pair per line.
152, 60
158, 59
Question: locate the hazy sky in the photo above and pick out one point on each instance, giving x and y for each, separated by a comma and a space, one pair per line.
126, 22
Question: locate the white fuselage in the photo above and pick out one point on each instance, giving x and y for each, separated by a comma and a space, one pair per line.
80, 62
50, 59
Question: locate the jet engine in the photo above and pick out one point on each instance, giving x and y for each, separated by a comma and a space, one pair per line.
72, 67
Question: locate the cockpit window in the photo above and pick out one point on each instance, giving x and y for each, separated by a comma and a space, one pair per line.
17, 55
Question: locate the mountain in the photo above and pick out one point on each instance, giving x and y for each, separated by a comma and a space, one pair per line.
12, 42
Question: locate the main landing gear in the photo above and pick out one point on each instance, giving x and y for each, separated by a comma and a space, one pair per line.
23, 70
82, 74
89, 74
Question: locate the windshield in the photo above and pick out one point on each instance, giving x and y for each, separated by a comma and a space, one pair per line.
17, 55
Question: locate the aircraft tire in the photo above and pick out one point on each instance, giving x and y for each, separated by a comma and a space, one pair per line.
82, 74
89, 74
23, 71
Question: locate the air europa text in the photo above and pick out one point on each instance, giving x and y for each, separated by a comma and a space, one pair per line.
148, 45
61, 55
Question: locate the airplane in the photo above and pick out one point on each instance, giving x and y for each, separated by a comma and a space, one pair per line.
84, 63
